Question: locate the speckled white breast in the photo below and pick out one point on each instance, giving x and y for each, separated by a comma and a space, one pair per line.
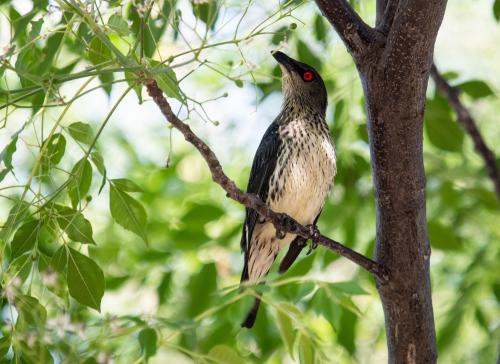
305, 175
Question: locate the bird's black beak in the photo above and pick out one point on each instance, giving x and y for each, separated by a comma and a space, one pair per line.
287, 62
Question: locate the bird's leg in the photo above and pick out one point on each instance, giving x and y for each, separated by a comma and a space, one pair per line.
314, 234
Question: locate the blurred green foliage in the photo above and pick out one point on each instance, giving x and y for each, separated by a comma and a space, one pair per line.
144, 266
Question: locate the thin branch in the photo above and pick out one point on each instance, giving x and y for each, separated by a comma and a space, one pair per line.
469, 124
354, 32
282, 222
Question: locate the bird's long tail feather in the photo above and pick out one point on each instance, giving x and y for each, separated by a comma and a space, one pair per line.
252, 314
293, 252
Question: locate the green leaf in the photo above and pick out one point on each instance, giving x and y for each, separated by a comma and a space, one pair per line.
82, 132
80, 181
350, 287
167, 81
128, 212
443, 237
75, 225
320, 29
280, 35
148, 339
441, 129
476, 89
36, 26
306, 350
85, 280
207, 12
496, 10
288, 332
347, 330
200, 290
4, 345
6, 156
98, 51
98, 161
25, 238
118, 24
18, 213
59, 260
20, 267
31, 312
223, 354
124, 184
133, 81
54, 151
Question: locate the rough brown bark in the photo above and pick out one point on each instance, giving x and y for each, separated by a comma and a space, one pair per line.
394, 69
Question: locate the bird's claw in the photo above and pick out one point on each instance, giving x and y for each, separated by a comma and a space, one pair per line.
286, 224
314, 234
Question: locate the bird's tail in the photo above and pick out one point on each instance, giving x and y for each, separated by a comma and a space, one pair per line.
252, 314
293, 252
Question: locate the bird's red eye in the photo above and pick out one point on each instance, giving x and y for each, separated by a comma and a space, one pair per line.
307, 76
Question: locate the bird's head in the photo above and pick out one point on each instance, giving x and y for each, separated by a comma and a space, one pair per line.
301, 83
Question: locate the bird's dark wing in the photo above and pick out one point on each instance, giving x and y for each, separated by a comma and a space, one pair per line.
263, 167
294, 250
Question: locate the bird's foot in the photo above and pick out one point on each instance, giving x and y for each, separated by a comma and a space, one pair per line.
314, 234
286, 224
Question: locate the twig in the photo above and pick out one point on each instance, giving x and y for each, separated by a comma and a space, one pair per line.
281, 222
469, 124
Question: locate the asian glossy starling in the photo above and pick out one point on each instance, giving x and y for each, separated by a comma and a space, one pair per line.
292, 172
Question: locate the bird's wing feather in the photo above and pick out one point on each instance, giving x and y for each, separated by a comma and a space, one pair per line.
263, 167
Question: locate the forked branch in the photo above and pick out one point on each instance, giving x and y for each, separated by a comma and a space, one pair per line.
354, 32
282, 222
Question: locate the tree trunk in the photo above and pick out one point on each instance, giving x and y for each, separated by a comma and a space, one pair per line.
394, 61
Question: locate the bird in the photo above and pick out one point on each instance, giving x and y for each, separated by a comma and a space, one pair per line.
292, 172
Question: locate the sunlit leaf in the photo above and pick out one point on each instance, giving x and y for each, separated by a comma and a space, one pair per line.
85, 280
306, 350
6, 156
476, 89
118, 24
224, 354
55, 146
17, 214
80, 181
125, 184
167, 81
287, 330
25, 238
81, 132
59, 260
31, 312
127, 211
206, 11
98, 51
76, 226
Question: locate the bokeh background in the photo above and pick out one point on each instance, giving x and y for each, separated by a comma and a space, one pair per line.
176, 298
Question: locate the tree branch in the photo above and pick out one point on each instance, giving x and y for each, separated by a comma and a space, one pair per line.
354, 32
386, 11
465, 118
281, 222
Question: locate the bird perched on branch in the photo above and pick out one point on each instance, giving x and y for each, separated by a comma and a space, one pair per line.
292, 172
